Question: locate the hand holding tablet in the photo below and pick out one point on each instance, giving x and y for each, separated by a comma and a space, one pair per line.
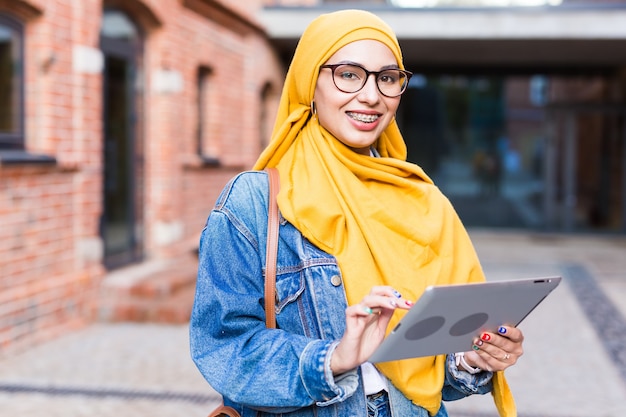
446, 319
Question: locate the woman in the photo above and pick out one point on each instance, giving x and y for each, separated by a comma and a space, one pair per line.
363, 232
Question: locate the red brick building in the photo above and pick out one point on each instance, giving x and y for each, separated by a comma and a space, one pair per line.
120, 121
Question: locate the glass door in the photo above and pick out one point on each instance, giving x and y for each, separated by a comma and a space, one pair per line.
521, 151
122, 202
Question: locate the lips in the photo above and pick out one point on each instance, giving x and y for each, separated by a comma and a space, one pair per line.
363, 118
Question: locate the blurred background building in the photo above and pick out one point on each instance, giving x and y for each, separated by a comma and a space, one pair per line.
516, 108
120, 121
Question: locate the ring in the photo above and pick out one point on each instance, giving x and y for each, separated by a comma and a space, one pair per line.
506, 356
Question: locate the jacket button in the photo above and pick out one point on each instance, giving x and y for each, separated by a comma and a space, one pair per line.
335, 280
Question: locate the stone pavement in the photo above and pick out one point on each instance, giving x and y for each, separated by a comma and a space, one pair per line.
574, 365
575, 348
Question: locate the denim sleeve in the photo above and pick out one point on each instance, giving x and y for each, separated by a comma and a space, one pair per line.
341, 386
265, 369
460, 384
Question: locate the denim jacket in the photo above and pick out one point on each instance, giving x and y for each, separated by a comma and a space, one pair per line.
283, 371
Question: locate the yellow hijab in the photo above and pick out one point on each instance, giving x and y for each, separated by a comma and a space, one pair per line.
382, 218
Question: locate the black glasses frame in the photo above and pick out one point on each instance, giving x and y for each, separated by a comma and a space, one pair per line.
333, 67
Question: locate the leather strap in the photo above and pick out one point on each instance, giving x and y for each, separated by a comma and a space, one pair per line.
224, 411
272, 249
271, 255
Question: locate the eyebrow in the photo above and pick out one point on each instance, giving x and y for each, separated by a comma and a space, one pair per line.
385, 67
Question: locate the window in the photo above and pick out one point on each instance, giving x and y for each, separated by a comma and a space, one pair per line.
11, 84
204, 147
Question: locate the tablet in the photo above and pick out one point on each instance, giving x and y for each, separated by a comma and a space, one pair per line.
447, 318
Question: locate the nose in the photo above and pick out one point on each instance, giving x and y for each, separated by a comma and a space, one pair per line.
369, 93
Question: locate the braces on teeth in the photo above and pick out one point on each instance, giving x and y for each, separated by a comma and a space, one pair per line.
367, 118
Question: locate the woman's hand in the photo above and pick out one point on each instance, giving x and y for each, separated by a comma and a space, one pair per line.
496, 351
366, 324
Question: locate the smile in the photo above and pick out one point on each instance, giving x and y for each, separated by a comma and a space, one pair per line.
365, 118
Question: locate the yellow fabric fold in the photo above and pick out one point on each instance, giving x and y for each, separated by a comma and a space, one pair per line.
503, 397
382, 218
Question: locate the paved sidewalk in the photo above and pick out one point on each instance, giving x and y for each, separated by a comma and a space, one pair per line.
575, 349
574, 365
107, 370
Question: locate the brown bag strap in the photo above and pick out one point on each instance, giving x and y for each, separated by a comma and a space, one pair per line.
224, 411
272, 249
270, 270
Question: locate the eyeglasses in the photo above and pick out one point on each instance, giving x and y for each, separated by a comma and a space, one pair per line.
351, 78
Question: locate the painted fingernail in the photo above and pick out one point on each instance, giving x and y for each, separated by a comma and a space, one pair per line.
502, 330
368, 310
409, 303
479, 342
393, 303
397, 294
475, 347
486, 337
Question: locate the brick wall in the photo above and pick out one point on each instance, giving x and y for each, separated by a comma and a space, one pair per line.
51, 252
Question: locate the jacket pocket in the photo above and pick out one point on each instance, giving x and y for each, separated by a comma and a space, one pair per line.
288, 288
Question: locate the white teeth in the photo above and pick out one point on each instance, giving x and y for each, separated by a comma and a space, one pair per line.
365, 118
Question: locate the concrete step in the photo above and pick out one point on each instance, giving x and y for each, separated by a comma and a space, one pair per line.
175, 309
156, 291
166, 283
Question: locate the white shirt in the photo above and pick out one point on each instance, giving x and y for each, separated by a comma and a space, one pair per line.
373, 381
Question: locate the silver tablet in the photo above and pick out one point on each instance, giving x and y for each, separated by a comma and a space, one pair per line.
446, 318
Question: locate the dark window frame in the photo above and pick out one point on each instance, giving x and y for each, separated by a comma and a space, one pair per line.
129, 51
16, 140
203, 85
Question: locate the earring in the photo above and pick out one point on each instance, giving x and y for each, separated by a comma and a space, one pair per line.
313, 108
